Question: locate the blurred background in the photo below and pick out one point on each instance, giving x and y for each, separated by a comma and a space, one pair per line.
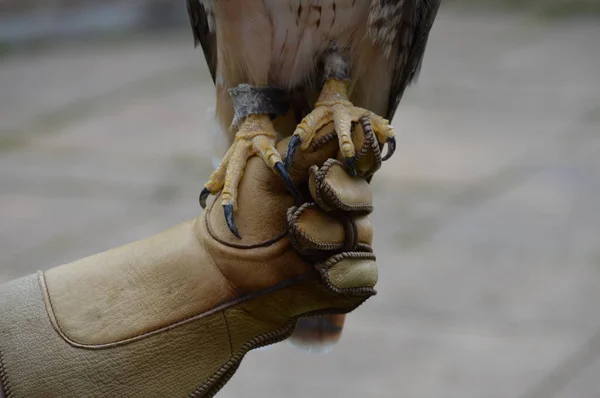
487, 218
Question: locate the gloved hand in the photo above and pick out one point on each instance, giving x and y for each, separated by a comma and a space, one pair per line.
173, 315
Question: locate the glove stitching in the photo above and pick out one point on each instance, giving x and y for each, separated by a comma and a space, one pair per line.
295, 231
350, 291
333, 260
150, 333
362, 206
228, 332
323, 187
323, 269
319, 176
363, 247
226, 376
5, 386
215, 383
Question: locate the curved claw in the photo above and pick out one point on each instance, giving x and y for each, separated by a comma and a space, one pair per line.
203, 196
228, 210
351, 163
391, 141
291, 150
287, 180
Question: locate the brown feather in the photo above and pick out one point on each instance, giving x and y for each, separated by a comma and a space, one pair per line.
200, 21
414, 26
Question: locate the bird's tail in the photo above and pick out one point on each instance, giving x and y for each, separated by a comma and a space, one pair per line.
220, 140
318, 334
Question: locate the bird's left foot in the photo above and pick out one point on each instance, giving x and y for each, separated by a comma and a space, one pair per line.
334, 106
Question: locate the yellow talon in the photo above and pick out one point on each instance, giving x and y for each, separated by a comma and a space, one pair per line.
256, 136
334, 106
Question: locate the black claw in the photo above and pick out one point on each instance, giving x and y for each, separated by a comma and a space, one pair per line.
203, 196
351, 163
287, 180
291, 150
228, 210
391, 148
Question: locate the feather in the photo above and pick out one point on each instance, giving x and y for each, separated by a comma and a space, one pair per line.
203, 27
412, 27
318, 334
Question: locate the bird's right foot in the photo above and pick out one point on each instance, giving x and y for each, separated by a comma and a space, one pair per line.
256, 136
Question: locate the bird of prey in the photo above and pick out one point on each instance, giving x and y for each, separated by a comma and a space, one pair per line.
289, 67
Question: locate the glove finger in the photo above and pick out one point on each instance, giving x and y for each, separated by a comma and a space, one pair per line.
333, 188
352, 273
313, 230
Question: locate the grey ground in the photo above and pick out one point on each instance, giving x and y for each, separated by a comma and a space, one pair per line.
487, 219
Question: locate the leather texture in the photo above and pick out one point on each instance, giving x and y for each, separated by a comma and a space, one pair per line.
173, 315
136, 289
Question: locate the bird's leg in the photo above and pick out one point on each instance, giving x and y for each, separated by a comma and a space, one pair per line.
254, 108
334, 106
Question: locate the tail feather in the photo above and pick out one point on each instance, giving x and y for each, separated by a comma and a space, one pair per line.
318, 334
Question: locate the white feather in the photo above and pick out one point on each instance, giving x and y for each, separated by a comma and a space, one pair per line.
219, 143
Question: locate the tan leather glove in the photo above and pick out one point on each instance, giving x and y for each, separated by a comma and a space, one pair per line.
173, 315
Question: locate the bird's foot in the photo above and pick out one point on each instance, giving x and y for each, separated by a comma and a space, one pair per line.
256, 136
333, 106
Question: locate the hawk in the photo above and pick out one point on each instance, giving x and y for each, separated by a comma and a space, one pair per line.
289, 67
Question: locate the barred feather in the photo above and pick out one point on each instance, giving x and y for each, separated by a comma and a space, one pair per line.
383, 21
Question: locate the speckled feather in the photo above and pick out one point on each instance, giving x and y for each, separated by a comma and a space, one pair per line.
398, 31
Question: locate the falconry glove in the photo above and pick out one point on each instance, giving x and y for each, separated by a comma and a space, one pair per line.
173, 315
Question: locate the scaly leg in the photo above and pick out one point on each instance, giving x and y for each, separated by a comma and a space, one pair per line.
255, 136
334, 106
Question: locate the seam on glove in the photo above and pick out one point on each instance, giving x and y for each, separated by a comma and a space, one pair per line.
363, 247
352, 291
228, 333
4, 382
217, 381
235, 245
225, 377
319, 190
222, 376
292, 215
236, 300
324, 188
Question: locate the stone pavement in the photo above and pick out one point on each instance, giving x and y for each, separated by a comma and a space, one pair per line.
487, 219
